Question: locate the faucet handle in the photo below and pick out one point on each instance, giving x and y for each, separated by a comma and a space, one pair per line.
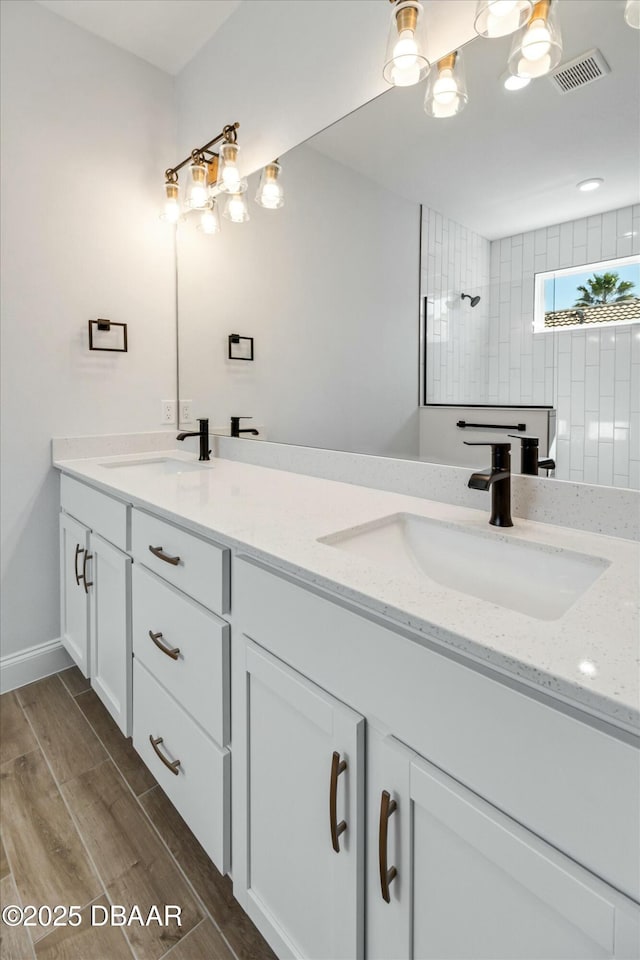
527, 439
494, 444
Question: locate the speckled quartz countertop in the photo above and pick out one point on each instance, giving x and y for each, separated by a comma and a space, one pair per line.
279, 517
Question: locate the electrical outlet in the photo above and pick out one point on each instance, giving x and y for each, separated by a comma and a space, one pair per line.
186, 416
168, 411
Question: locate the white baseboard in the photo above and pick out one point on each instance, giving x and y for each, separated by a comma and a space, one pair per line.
31, 664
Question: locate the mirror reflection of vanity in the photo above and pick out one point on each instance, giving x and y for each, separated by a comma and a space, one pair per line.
352, 293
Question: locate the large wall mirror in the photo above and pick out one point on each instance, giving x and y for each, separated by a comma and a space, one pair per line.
427, 275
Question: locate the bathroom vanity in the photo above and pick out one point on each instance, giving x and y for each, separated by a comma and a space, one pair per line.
420, 769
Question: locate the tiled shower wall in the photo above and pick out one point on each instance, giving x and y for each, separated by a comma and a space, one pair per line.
454, 261
591, 377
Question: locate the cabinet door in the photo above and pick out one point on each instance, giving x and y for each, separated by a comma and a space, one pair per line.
109, 576
472, 883
303, 874
74, 608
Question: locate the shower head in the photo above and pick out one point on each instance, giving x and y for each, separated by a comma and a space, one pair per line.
474, 300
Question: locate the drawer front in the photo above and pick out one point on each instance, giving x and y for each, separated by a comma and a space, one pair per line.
101, 513
574, 785
200, 787
195, 666
199, 568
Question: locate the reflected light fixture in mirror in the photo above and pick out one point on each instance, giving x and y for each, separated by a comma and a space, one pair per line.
209, 219
270, 194
236, 208
632, 13
499, 18
446, 88
405, 61
537, 48
510, 82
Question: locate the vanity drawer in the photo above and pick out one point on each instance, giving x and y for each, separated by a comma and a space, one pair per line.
196, 566
198, 675
200, 787
101, 513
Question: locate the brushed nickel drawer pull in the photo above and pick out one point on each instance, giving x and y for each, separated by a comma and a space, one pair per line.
387, 807
157, 552
171, 764
79, 550
87, 584
170, 653
338, 766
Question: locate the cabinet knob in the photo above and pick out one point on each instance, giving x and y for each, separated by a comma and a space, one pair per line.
387, 874
338, 766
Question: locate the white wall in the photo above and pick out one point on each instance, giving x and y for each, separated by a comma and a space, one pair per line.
592, 377
87, 131
286, 70
455, 260
328, 286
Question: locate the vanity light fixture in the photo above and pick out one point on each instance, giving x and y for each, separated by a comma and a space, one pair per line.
171, 212
446, 88
588, 185
405, 62
499, 18
229, 178
203, 171
632, 14
236, 208
270, 194
537, 48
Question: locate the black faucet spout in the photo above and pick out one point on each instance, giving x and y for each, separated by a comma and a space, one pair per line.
203, 434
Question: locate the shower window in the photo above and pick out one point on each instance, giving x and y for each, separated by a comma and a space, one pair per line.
593, 294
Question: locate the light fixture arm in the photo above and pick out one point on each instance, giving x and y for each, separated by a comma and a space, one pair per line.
228, 135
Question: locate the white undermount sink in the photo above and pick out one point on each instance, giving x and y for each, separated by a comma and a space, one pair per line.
155, 465
532, 578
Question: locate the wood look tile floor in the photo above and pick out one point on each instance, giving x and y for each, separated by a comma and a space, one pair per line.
83, 822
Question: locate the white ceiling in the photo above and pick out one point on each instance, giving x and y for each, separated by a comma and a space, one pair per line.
166, 33
510, 162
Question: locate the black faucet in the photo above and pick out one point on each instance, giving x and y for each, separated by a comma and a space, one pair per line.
235, 430
529, 462
498, 477
203, 433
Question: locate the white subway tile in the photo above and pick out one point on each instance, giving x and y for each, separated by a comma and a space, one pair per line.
592, 389
623, 354
578, 352
592, 352
577, 403
590, 473
591, 433
622, 403
606, 418
609, 234
607, 368
566, 245
605, 464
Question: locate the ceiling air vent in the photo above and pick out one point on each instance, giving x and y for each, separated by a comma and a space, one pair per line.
582, 70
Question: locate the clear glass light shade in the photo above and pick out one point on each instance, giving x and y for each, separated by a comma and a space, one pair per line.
405, 61
270, 194
229, 177
499, 18
197, 192
632, 13
236, 208
446, 88
171, 212
537, 48
210, 219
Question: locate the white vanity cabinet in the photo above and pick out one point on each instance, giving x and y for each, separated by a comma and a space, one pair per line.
493, 820
95, 578
181, 674
455, 878
302, 856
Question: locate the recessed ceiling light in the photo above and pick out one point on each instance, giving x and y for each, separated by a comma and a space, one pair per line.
511, 82
592, 184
